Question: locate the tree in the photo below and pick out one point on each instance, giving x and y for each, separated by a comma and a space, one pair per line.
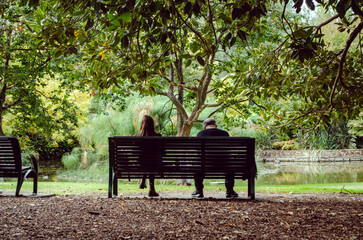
26, 67
327, 80
170, 48
174, 48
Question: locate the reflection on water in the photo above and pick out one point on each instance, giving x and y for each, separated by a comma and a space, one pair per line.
272, 173
48, 171
309, 172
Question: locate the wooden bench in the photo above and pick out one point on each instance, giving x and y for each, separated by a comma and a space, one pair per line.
181, 157
11, 165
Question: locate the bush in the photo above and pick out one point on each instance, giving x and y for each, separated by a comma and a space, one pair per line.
356, 129
72, 160
262, 137
285, 145
334, 137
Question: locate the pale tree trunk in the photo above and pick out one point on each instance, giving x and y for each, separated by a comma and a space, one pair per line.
186, 128
1, 125
180, 119
2, 103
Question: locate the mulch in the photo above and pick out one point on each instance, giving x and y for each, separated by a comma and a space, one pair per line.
271, 216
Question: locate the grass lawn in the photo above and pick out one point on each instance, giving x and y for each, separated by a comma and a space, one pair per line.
127, 188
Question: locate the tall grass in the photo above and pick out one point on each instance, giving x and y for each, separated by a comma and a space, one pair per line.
336, 136
113, 121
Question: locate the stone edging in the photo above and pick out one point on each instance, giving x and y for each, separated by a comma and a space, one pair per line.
310, 155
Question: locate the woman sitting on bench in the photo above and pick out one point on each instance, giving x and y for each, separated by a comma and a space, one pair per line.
147, 130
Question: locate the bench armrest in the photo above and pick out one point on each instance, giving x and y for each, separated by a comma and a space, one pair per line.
34, 162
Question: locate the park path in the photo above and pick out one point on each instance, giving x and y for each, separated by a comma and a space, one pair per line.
271, 216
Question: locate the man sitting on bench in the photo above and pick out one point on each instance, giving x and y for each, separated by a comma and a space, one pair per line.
211, 130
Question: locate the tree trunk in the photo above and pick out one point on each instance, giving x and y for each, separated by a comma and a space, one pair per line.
180, 119
1, 125
186, 128
2, 103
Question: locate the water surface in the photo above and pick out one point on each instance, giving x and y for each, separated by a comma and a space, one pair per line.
309, 172
272, 173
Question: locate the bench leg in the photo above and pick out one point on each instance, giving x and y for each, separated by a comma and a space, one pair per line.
115, 186
18, 186
110, 181
251, 188
35, 184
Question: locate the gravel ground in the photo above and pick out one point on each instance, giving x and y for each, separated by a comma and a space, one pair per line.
270, 216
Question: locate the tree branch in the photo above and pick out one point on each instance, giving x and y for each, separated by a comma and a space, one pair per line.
326, 22
12, 104
173, 99
284, 18
225, 97
338, 77
355, 8
194, 31
177, 84
227, 106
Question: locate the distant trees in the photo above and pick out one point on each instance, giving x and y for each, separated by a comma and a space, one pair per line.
325, 83
29, 107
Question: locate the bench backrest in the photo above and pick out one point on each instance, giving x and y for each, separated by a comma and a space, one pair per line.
10, 157
178, 156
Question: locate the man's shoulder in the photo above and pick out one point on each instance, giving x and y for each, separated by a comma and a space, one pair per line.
212, 132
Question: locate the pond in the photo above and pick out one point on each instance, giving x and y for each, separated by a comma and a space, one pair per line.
283, 173
309, 172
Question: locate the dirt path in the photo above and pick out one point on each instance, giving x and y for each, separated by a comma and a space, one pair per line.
271, 216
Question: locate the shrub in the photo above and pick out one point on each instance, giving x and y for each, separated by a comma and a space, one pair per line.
72, 160
285, 145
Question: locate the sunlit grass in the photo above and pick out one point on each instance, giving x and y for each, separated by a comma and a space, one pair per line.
313, 188
126, 188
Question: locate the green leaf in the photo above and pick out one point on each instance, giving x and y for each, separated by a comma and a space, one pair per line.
196, 9
89, 24
163, 38
126, 17
115, 22
72, 50
310, 4
237, 13
125, 42
301, 33
188, 8
228, 36
342, 7
194, 47
232, 42
242, 35
111, 28
58, 53
187, 64
263, 9
156, 31
116, 41
200, 60
298, 4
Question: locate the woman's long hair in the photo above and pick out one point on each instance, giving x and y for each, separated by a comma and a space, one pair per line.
147, 127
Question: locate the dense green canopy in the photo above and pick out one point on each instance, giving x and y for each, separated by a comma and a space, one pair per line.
185, 50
